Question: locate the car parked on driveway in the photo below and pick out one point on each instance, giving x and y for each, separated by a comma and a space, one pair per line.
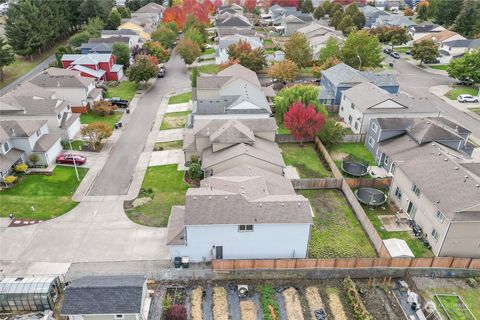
71, 158
467, 98
465, 82
121, 103
161, 71
395, 55
387, 50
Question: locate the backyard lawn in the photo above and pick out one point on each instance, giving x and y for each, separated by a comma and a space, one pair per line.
86, 118
336, 232
456, 91
267, 43
169, 145
209, 68
208, 51
471, 297
281, 129
180, 98
125, 90
174, 120
305, 159
169, 189
357, 150
50, 196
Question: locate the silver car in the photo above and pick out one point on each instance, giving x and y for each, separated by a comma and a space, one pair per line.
467, 98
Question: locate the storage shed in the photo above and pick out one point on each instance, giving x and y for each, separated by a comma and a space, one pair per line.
29, 294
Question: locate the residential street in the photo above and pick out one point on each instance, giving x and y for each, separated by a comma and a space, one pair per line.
116, 175
417, 82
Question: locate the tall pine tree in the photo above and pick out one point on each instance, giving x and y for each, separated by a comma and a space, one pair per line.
468, 18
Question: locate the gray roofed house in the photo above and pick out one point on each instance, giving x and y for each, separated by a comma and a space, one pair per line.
371, 14
293, 21
64, 78
96, 47
229, 31
232, 20
105, 295
393, 21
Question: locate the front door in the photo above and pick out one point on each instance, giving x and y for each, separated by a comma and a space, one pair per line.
218, 252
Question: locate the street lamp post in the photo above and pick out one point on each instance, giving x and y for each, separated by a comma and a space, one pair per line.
74, 162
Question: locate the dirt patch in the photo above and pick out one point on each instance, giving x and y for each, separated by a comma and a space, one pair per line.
220, 304
335, 304
248, 310
196, 304
292, 304
338, 155
379, 301
314, 300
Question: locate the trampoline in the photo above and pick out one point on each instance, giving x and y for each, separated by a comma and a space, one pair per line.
371, 196
354, 167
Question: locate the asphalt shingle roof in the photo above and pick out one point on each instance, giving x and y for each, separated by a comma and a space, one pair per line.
344, 74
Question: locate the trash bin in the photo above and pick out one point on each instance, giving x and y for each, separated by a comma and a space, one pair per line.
120, 124
177, 262
127, 111
116, 126
185, 262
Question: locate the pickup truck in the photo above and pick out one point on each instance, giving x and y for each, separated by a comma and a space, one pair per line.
121, 103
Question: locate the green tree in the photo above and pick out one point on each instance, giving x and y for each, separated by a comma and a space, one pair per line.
94, 26
398, 36
331, 49
298, 50
155, 48
95, 8
326, 6
425, 51
142, 70
466, 67
445, 11
336, 19
7, 57
307, 6
318, 13
77, 39
172, 25
188, 50
96, 132
122, 52
194, 76
347, 25
362, 50
335, 7
61, 50
422, 10
114, 20
468, 20
306, 94
195, 35
352, 9
165, 36
332, 133
359, 20
124, 12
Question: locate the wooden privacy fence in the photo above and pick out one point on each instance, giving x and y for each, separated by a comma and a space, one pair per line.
353, 138
287, 138
335, 183
347, 263
379, 183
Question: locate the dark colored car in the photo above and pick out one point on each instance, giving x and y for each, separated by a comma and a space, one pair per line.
387, 50
121, 103
395, 55
465, 82
161, 71
71, 158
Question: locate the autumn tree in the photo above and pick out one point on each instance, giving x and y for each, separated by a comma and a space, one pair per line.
253, 59
188, 50
330, 62
391, 35
142, 70
408, 12
285, 70
103, 107
425, 51
96, 132
250, 5
422, 10
466, 67
298, 50
307, 94
165, 35
155, 48
362, 50
7, 56
228, 63
303, 122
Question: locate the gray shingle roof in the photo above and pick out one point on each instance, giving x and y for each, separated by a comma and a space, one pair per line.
228, 31
7, 160
52, 78
343, 74
120, 32
151, 7
104, 295
46, 142
31, 106
467, 43
176, 226
21, 128
233, 131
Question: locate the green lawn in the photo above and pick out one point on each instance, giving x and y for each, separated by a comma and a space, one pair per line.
208, 51
440, 67
209, 68
281, 129
402, 49
169, 145
267, 43
471, 296
76, 145
455, 92
453, 307
174, 120
475, 110
357, 150
180, 98
305, 159
336, 232
169, 187
306, 70
416, 245
125, 90
86, 118
51, 196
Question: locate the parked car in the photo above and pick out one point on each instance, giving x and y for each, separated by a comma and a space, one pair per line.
71, 158
465, 82
387, 50
467, 98
408, 52
434, 61
161, 71
395, 55
121, 103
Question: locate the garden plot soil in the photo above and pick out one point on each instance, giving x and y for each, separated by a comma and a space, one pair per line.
196, 304
220, 304
248, 310
337, 309
292, 304
379, 301
314, 301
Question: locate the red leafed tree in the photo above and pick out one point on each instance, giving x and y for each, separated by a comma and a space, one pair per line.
179, 14
303, 123
177, 312
347, 2
250, 5
153, 59
176, 14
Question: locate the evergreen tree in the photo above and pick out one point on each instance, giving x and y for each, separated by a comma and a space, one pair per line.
114, 20
351, 9
359, 20
95, 8
307, 6
467, 22
326, 7
124, 12
122, 52
7, 57
445, 11
336, 19
346, 25
318, 13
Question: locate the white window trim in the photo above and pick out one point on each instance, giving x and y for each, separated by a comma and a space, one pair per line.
245, 225
374, 127
371, 142
433, 233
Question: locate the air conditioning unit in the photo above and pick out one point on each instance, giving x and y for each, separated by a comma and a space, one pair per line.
242, 291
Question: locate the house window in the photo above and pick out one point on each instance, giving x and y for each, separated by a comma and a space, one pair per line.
398, 193
352, 106
374, 127
59, 116
435, 234
119, 316
416, 190
440, 216
411, 209
392, 168
245, 228
371, 142
350, 119
6, 147
356, 124
386, 160
39, 132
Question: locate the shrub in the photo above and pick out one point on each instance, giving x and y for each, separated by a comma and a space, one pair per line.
267, 299
103, 107
33, 158
194, 159
146, 193
195, 171
332, 133
177, 312
9, 180
21, 167
359, 310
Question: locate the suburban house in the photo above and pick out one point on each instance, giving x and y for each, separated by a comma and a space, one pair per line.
70, 86
366, 101
319, 42
232, 20
276, 13
457, 48
391, 20
294, 21
130, 34
230, 31
106, 297
433, 179
221, 54
21, 138
422, 30
102, 47
441, 37
341, 77
31, 102
315, 30
389, 4
140, 30
153, 10
102, 67
231, 7
371, 14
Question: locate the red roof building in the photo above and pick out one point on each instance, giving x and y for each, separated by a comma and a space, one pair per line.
100, 66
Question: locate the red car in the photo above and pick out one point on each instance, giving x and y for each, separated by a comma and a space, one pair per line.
70, 157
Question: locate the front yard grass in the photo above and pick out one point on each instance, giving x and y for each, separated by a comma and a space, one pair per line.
475, 110
305, 158
86, 118
174, 120
456, 91
267, 43
443, 67
169, 189
50, 196
357, 150
209, 68
402, 49
76, 145
125, 90
169, 145
336, 232
208, 51
180, 98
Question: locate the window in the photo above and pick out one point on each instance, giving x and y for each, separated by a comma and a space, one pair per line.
411, 209
374, 127
341, 108
245, 228
352, 106
371, 142
386, 160
350, 119
416, 190
435, 234
119, 316
59, 116
398, 193
356, 124
392, 168
440, 216
6, 147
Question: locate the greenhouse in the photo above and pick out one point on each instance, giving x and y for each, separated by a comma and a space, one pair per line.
29, 294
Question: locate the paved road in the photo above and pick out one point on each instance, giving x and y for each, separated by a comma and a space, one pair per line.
39, 68
116, 175
417, 82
